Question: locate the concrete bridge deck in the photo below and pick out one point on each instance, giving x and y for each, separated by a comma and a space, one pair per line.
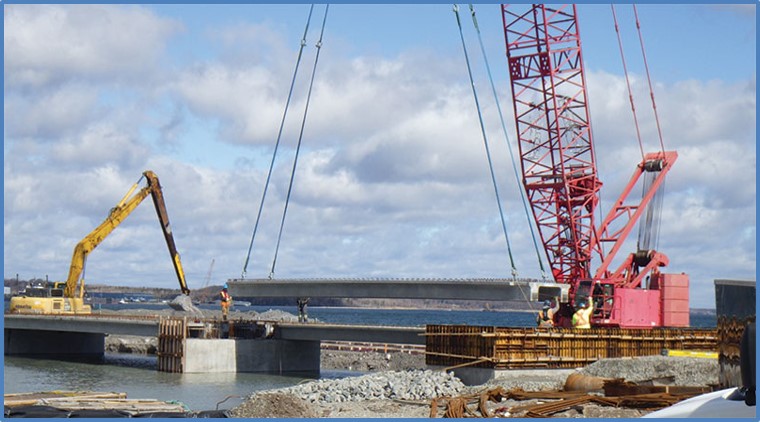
292, 347
98, 324
148, 327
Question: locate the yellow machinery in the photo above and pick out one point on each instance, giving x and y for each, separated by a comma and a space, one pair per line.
68, 298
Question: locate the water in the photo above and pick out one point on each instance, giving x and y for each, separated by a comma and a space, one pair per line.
136, 375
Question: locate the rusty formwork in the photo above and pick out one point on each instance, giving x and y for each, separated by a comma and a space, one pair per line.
509, 348
735, 307
173, 331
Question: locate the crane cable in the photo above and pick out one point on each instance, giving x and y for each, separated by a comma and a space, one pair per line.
277, 144
509, 145
651, 227
300, 138
627, 81
485, 142
649, 80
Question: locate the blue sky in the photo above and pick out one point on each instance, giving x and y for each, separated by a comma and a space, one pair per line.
392, 180
391, 29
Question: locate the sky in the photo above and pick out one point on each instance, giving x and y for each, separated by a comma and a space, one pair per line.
392, 177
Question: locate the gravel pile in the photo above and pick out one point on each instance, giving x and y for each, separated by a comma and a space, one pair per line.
274, 405
370, 361
686, 371
131, 344
530, 379
274, 315
413, 385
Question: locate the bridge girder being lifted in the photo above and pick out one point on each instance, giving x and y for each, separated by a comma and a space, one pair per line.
487, 289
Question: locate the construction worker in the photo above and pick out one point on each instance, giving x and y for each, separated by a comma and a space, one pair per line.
226, 300
302, 315
545, 317
582, 316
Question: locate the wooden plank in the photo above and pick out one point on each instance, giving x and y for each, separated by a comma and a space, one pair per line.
28, 399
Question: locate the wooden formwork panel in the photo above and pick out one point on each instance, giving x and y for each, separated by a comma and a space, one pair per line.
455, 345
172, 333
450, 345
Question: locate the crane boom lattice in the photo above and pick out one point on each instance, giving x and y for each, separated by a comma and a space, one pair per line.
554, 134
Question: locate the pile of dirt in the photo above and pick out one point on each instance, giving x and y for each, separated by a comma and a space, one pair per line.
274, 405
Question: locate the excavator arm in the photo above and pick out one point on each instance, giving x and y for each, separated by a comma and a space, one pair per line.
163, 218
118, 213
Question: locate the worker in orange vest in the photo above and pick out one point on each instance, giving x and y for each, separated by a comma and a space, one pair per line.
226, 300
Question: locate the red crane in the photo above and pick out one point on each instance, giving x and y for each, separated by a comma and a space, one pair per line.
562, 185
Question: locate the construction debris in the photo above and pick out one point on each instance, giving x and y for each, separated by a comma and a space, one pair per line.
584, 383
545, 404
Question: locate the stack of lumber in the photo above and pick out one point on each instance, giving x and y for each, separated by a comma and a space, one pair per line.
88, 400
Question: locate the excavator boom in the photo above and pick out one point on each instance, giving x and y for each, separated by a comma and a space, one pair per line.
73, 292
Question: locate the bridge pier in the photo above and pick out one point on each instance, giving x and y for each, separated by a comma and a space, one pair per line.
54, 344
251, 355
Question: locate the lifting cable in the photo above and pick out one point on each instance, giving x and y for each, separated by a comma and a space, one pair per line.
651, 92
485, 142
300, 138
627, 81
509, 145
277, 144
651, 228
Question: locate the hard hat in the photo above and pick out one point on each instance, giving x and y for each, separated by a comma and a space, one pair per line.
547, 304
582, 304
225, 286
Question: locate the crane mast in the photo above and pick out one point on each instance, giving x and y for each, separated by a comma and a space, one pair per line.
560, 178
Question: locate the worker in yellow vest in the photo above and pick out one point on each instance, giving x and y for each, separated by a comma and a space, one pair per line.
582, 316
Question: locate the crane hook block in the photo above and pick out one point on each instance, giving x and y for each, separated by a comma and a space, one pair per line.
654, 165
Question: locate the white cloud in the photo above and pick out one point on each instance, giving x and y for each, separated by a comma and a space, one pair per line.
246, 101
51, 43
53, 113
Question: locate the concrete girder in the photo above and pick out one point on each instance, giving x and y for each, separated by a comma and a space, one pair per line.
442, 289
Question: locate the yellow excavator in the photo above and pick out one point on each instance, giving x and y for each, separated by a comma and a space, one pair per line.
68, 298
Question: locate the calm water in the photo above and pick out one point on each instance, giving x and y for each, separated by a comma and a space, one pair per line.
136, 376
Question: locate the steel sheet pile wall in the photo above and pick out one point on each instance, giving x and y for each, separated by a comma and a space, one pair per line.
735, 307
504, 348
172, 333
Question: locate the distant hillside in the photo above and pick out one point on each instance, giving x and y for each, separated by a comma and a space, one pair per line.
210, 293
